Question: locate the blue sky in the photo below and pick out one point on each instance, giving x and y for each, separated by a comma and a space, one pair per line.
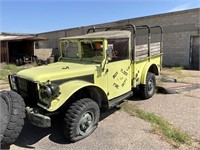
36, 16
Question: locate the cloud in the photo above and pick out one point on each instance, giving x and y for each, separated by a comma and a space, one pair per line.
185, 6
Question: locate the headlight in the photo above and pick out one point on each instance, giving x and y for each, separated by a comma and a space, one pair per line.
12, 82
49, 91
12, 79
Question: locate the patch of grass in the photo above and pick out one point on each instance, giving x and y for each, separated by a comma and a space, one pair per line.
177, 68
3, 75
162, 127
9, 68
173, 69
178, 73
191, 95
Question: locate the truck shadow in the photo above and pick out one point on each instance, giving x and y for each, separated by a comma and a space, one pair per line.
31, 134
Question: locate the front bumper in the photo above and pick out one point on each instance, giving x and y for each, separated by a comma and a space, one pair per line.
37, 118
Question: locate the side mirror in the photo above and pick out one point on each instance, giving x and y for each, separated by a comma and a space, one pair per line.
108, 57
108, 54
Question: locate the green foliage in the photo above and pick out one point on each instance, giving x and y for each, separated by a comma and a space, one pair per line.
177, 68
7, 69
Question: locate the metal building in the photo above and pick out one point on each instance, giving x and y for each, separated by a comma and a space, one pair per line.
181, 36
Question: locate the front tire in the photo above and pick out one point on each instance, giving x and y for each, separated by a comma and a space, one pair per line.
148, 90
81, 119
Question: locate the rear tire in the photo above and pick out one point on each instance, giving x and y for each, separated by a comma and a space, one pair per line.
16, 116
148, 90
81, 119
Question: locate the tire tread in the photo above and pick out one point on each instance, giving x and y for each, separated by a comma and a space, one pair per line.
73, 113
143, 88
17, 116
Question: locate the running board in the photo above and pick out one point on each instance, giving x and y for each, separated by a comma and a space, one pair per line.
117, 100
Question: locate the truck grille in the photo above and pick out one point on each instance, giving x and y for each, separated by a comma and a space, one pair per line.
22, 85
28, 90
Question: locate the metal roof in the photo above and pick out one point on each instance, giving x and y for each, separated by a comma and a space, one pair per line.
103, 34
20, 38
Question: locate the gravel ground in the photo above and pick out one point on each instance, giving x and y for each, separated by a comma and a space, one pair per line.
118, 131
193, 93
182, 111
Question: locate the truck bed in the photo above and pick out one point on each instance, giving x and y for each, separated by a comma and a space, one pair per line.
142, 50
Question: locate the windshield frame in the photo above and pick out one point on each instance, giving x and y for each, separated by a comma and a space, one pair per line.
80, 50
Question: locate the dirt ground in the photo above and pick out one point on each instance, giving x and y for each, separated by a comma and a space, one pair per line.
187, 81
118, 130
4, 85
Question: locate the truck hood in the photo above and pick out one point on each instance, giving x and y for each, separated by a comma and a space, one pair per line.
57, 71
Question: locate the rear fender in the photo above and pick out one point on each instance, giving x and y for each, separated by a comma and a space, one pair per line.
149, 67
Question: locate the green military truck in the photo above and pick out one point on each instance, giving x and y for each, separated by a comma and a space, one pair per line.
95, 72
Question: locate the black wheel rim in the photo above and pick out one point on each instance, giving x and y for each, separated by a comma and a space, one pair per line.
86, 123
150, 86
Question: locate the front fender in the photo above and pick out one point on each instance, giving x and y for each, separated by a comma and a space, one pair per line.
145, 71
67, 90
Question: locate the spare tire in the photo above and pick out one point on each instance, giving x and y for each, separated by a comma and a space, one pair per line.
4, 116
16, 116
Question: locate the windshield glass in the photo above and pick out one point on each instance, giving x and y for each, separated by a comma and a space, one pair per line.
89, 50
71, 50
92, 50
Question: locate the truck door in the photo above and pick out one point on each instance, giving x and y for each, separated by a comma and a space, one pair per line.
119, 68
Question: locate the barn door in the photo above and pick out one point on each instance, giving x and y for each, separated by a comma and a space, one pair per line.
4, 52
